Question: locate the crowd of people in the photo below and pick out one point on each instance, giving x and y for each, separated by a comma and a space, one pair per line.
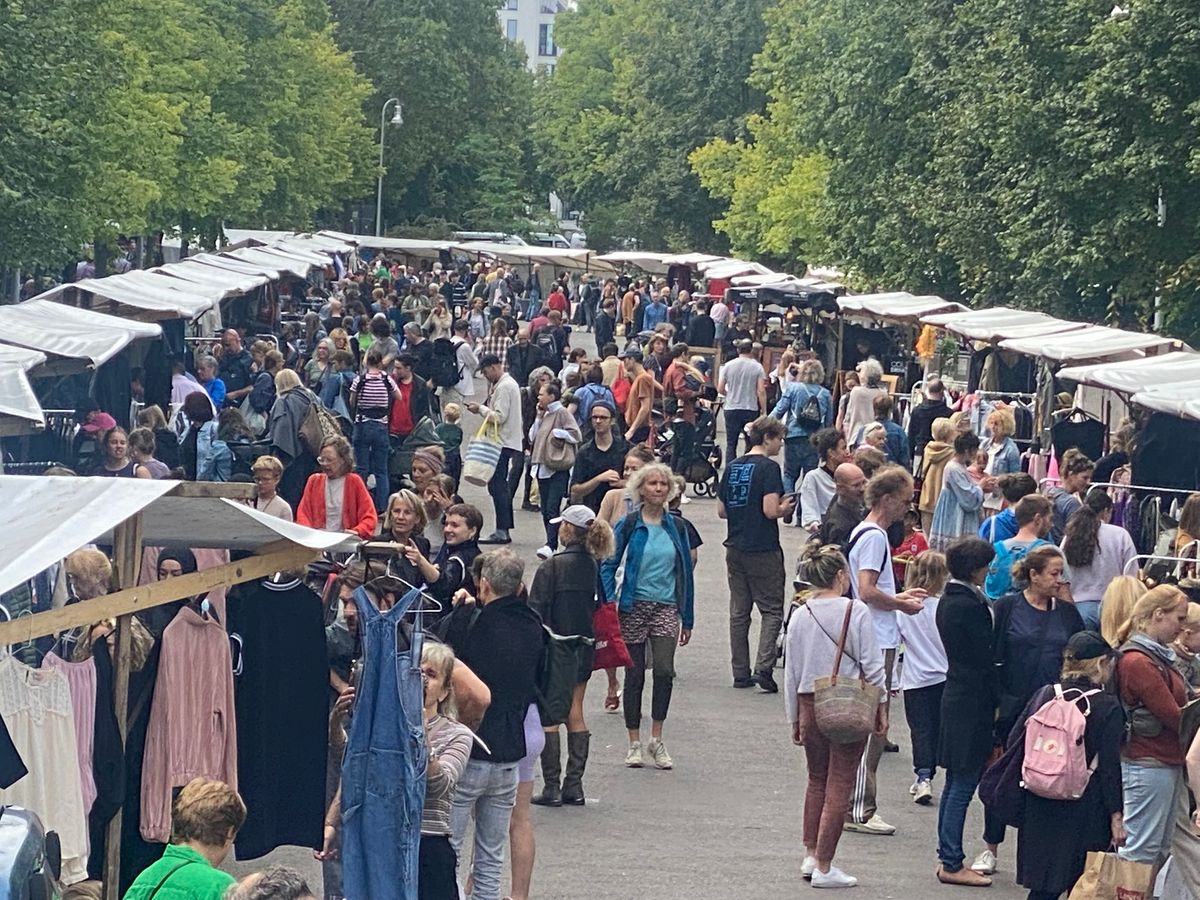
929, 568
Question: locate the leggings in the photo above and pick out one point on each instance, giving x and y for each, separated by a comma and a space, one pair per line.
663, 649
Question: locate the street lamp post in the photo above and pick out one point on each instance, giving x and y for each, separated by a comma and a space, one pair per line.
397, 119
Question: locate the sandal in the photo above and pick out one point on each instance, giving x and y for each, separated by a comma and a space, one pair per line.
612, 703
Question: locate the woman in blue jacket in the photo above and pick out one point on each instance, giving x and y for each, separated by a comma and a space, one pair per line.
655, 602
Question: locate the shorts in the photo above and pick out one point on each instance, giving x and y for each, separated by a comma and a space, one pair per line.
535, 742
648, 619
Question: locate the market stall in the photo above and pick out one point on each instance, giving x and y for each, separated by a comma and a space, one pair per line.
19, 407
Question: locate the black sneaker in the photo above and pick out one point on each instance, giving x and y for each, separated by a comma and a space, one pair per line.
744, 681
766, 683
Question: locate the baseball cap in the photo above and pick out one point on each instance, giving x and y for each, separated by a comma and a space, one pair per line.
1088, 645
632, 353
578, 515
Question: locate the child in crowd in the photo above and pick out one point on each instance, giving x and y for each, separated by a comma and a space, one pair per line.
911, 546
1187, 650
450, 433
923, 675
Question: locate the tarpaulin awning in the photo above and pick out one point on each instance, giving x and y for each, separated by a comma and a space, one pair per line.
558, 258
60, 330
233, 264
1089, 342
651, 263
253, 236
420, 249
288, 264
691, 260
149, 297
17, 399
997, 323
230, 282
730, 268
901, 306
1180, 399
58, 516
1133, 375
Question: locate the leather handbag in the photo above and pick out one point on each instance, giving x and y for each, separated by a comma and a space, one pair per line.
844, 708
559, 453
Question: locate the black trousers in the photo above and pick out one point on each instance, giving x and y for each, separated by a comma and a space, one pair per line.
498, 487
437, 869
735, 421
923, 711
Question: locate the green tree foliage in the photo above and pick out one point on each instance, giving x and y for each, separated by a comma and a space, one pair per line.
131, 116
460, 154
640, 85
993, 150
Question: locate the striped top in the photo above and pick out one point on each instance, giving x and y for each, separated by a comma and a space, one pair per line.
374, 397
450, 744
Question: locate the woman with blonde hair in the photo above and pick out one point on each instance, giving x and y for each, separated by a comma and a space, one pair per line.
1003, 456
267, 471
938, 452
655, 602
1116, 606
288, 412
404, 522
1153, 693
564, 594
812, 635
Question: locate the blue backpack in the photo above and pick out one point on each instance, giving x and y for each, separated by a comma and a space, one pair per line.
999, 577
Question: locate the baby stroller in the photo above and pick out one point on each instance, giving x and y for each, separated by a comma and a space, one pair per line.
703, 472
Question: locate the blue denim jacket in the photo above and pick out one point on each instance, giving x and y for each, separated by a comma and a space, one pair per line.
792, 401
631, 534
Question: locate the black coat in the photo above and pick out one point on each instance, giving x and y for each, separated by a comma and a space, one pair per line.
1056, 835
563, 593
920, 423
964, 623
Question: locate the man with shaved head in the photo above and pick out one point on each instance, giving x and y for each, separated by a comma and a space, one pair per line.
846, 510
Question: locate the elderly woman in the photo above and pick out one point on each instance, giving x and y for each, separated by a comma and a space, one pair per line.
860, 407
655, 602
335, 499
283, 430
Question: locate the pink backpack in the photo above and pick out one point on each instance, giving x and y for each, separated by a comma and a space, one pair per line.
1056, 765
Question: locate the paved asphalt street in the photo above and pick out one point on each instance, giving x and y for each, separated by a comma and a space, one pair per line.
725, 823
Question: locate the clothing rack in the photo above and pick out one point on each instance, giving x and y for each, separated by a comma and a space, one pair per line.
1155, 557
1000, 395
1134, 487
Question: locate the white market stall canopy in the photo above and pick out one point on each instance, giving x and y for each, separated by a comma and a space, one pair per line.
60, 514
1088, 342
731, 268
1134, 375
17, 400
69, 332
418, 249
1181, 399
651, 263
899, 306
230, 282
553, 257
149, 297
997, 323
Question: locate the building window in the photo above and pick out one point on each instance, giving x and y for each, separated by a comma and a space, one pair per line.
510, 5
510, 29
546, 40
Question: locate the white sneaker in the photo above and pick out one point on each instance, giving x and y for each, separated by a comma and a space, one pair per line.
873, 825
808, 867
913, 788
985, 863
633, 759
834, 878
658, 752
544, 552
924, 792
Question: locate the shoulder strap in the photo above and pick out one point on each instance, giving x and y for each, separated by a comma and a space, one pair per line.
840, 643
167, 877
887, 555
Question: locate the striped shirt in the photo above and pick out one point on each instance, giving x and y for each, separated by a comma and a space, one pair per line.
374, 397
450, 744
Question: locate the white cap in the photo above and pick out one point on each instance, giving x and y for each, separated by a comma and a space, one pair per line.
578, 515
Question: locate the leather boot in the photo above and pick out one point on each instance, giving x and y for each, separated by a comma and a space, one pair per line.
577, 754
551, 794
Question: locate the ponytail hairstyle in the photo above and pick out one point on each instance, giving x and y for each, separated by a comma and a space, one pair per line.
597, 539
1165, 597
1081, 539
820, 564
1074, 462
1035, 560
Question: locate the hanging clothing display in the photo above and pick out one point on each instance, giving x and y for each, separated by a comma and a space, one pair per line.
1086, 435
36, 707
193, 730
1168, 453
108, 759
81, 677
383, 774
282, 694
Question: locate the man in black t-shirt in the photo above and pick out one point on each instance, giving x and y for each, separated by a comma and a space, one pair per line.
752, 501
600, 462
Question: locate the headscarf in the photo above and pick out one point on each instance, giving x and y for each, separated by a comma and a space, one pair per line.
435, 462
183, 556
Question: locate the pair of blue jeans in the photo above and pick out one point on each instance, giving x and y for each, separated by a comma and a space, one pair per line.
799, 457
952, 817
371, 448
487, 791
1151, 797
383, 772
553, 490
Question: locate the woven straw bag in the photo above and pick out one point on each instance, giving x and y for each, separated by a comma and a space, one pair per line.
845, 708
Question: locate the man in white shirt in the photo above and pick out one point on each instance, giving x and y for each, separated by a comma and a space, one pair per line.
464, 358
503, 405
743, 383
818, 487
872, 580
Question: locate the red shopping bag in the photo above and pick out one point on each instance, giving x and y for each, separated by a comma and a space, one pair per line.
610, 649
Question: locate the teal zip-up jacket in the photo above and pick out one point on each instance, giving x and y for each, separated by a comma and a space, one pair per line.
631, 534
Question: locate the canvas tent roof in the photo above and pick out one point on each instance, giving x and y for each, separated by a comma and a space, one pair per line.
1088, 342
1180, 399
644, 260
997, 323
60, 516
148, 296
17, 399
901, 306
60, 330
1134, 375
555, 257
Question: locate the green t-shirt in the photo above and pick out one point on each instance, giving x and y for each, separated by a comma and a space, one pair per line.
183, 875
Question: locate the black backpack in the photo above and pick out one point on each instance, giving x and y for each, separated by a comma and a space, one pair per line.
546, 341
809, 415
443, 364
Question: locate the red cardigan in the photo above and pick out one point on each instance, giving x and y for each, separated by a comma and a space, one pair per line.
1161, 690
358, 510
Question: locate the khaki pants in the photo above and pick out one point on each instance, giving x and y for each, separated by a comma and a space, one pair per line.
755, 579
862, 801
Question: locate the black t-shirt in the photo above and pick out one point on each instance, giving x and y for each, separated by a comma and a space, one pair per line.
743, 485
591, 461
694, 539
235, 370
1086, 436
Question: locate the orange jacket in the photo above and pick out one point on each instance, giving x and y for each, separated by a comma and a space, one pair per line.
358, 510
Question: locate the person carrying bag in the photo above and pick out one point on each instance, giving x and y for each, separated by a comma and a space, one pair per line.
483, 453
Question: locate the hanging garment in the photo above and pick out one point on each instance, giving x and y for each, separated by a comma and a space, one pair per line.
192, 731
383, 774
1167, 454
1086, 435
81, 677
282, 694
108, 759
36, 707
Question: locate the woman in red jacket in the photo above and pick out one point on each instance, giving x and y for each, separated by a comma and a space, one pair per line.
335, 499
1153, 693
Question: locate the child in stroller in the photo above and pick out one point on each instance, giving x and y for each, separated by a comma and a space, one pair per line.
703, 471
